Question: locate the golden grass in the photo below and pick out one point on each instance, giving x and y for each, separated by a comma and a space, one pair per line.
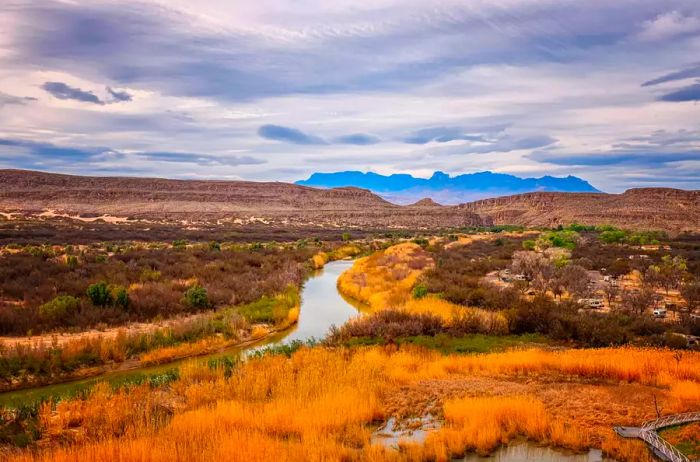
319, 260
167, 354
385, 279
321, 405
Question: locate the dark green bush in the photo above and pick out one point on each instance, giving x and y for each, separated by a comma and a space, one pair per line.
99, 294
196, 297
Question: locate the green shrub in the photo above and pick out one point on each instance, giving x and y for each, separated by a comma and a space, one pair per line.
59, 307
580, 228
179, 244
150, 275
613, 236
563, 238
271, 310
72, 261
120, 296
529, 244
99, 294
420, 291
196, 297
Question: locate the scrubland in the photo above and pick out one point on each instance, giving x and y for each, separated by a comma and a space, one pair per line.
188, 299
386, 280
323, 404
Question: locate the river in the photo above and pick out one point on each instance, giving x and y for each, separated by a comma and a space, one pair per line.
321, 307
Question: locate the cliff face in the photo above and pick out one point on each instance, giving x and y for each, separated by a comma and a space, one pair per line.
668, 209
192, 200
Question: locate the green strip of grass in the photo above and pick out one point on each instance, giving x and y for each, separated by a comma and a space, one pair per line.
475, 343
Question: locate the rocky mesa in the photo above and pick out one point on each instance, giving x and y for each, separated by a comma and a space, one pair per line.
285, 204
673, 210
213, 200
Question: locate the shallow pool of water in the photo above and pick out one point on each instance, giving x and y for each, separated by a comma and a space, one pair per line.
528, 452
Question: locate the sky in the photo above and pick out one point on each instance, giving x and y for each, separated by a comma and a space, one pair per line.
274, 90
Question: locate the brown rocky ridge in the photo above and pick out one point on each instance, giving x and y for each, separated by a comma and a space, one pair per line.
284, 204
673, 210
234, 202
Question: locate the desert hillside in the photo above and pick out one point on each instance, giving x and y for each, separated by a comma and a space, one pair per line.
644, 208
278, 203
193, 200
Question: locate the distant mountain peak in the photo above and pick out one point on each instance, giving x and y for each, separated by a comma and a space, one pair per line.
426, 202
444, 188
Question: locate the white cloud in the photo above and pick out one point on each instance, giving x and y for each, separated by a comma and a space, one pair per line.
669, 25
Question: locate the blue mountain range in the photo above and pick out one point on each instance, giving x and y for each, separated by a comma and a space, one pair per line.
446, 189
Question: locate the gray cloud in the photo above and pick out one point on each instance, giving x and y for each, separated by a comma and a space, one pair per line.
200, 159
158, 49
118, 95
6, 99
441, 135
34, 155
688, 73
295, 136
689, 93
288, 135
502, 144
358, 139
61, 90
395, 84
647, 159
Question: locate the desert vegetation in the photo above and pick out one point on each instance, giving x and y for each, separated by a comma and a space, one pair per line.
489, 359
86, 309
322, 404
47, 288
450, 282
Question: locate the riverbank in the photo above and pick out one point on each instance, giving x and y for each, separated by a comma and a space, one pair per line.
321, 307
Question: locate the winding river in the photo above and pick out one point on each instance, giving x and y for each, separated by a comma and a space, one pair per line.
321, 307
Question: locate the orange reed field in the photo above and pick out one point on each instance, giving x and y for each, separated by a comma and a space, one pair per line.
322, 404
384, 281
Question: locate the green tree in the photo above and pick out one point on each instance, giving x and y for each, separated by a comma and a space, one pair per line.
668, 274
99, 294
613, 236
690, 291
346, 237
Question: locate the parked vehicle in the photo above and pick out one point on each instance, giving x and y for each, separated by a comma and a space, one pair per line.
660, 313
593, 303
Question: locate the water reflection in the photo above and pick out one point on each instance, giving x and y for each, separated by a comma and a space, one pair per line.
527, 452
322, 305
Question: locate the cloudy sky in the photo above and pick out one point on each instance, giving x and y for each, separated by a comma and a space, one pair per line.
274, 90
